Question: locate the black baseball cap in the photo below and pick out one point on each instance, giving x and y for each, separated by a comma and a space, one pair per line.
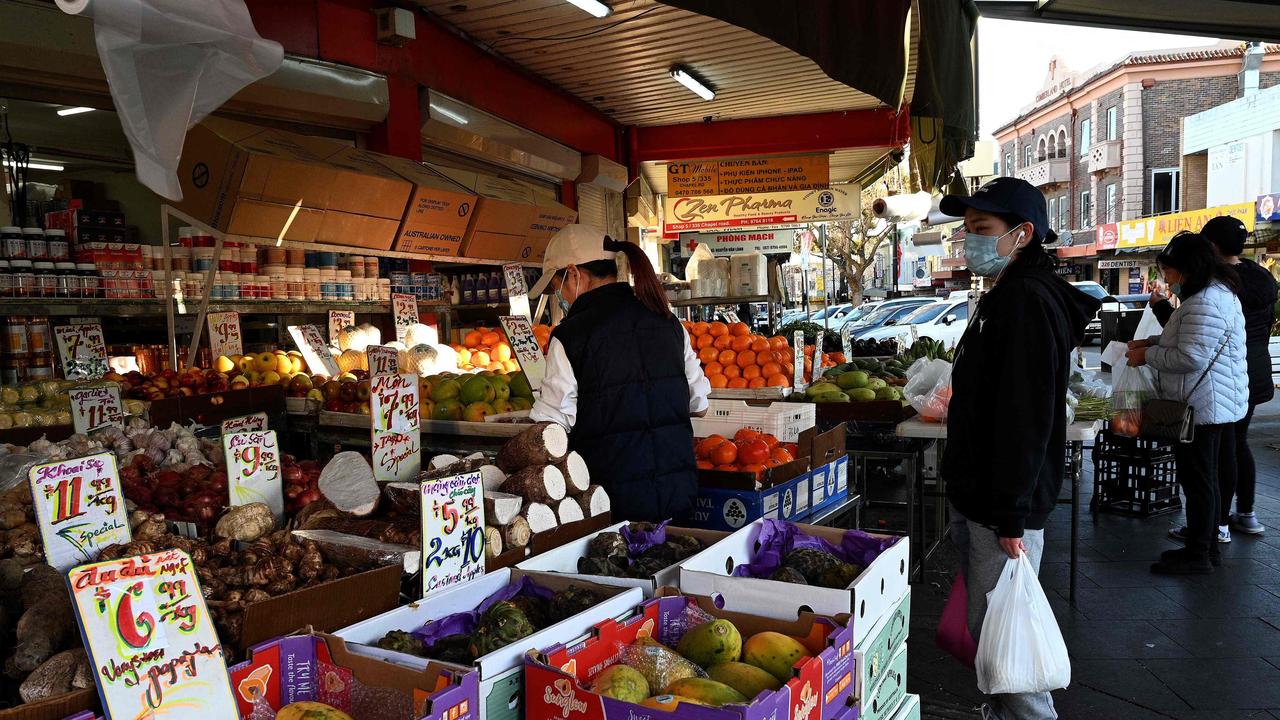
1006, 196
1227, 233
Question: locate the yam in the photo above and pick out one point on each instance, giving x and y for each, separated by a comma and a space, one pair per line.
595, 501
501, 508
491, 477
516, 534
347, 481
540, 517
575, 471
540, 483
568, 510
492, 541
542, 444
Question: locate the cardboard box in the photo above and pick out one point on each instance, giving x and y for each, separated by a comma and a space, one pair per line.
500, 672
821, 687
564, 560
439, 211
322, 668
325, 607
871, 596
872, 656
56, 707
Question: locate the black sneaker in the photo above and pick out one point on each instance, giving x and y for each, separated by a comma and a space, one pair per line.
1182, 564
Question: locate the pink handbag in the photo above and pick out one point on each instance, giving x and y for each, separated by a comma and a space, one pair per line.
953, 630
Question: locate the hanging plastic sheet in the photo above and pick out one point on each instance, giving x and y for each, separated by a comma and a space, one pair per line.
169, 64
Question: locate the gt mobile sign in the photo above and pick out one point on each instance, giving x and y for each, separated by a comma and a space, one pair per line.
730, 243
728, 212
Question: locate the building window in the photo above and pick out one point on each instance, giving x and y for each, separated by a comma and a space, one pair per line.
1113, 119
1064, 213
1008, 164
1111, 210
1086, 136
1053, 213
1165, 191
1086, 209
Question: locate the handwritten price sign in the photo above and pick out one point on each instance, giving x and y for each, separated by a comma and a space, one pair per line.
314, 350
338, 320
95, 407
79, 508
256, 421
393, 403
383, 360
452, 531
82, 350
253, 469
150, 639
525, 348
797, 350
404, 312
224, 334
397, 457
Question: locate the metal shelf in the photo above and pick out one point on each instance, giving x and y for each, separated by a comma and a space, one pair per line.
692, 302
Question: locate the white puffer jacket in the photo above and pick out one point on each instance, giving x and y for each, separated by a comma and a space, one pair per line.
1190, 339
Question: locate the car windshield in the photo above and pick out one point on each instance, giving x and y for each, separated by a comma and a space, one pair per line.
1093, 290
924, 314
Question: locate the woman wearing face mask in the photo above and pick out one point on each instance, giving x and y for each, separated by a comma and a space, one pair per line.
1007, 422
621, 376
1199, 358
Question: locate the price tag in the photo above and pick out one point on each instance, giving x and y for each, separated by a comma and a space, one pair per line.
846, 341
339, 320
393, 403
314, 350
452, 531
253, 469
224, 334
526, 349
397, 457
383, 360
150, 638
244, 423
797, 357
79, 508
517, 293
95, 407
82, 350
404, 312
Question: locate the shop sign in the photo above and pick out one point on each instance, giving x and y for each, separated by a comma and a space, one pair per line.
314, 350
150, 639
517, 293
748, 175
1268, 208
1159, 230
383, 360
725, 244
452, 531
339, 319
79, 508
1106, 236
95, 407
729, 212
244, 423
82, 350
404, 312
1120, 263
525, 348
253, 469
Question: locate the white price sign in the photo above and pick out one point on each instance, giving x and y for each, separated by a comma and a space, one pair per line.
314, 350
253, 469
244, 423
95, 407
526, 349
383, 360
82, 350
452, 531
79, 508
224, 334
797, 356
517, 293
393, 403
404, 312
338, 320
397, 457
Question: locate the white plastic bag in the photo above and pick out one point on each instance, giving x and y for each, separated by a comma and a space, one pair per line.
1021, 648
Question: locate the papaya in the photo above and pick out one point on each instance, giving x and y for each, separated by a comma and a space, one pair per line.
667, 703
774, 653
621, 683
310, 711
707, 692
711, 643
746, 679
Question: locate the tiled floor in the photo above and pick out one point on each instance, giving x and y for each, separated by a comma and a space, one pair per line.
1142, 646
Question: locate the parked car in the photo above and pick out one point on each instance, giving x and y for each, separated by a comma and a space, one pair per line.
1094, 329
943, 321
889, 313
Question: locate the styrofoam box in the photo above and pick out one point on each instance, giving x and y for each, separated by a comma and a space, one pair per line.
501, 670
564, 561
783, 420
872, 595
872, 656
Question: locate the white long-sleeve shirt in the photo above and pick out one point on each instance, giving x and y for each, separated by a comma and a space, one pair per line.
558, 401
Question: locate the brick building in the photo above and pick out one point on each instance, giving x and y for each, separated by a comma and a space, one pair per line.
1104, 145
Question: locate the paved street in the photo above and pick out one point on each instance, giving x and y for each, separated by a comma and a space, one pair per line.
1143, 646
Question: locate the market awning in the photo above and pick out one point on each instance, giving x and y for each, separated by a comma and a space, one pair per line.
1231, 19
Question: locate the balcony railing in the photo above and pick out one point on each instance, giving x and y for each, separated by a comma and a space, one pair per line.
1047, 172
1104, 156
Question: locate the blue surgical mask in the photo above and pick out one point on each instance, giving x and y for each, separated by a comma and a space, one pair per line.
982, 255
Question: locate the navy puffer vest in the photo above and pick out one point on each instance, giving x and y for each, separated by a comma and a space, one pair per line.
632, 426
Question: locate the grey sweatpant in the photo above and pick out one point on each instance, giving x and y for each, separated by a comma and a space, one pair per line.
982, 560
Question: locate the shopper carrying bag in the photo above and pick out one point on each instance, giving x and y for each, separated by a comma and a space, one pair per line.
1021, 649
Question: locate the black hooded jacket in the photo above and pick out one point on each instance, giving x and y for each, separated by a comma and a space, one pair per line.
1007, 422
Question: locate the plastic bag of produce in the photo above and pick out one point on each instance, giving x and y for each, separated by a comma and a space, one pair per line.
1020, 649
1131, 388
929, 389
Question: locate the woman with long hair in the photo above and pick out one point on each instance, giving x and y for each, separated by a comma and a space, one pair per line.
621, 375
1199, 358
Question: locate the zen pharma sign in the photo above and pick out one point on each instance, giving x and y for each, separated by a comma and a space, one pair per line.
729, 212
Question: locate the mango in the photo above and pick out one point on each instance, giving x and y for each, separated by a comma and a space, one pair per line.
774, 653
746, 679
667, 703
711, 643
707, 692
621, 682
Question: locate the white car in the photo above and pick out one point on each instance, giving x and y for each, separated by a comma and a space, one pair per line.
943, 321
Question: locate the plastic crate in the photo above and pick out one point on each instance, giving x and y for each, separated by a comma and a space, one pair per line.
783, 420
1111, 445
1140, 489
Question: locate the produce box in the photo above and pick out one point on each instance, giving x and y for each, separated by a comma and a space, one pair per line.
783, 420
318, 667
718, 508
56, 707
500, 672
564, 559
549, 540
873, 594
872, 655
325, 607
821, 686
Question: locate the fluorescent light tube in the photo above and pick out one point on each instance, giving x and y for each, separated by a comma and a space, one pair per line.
75, 111
594, 7
461, 120
682, 76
